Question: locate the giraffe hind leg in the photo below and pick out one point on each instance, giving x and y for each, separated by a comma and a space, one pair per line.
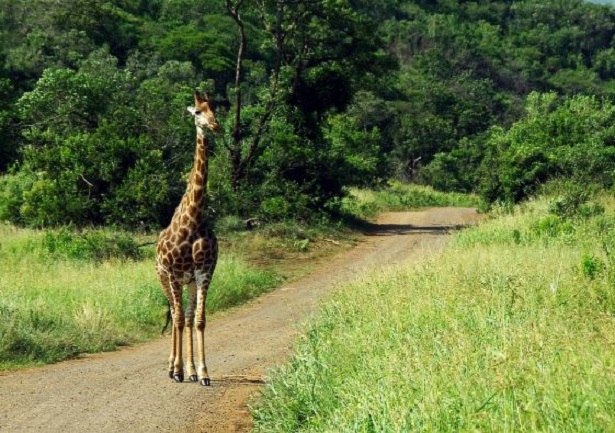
176, 367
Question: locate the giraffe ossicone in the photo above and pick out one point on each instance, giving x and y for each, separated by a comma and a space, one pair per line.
186, 256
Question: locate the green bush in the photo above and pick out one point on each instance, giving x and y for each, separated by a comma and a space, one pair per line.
551, 226
591, 266
567, 138
12, 188
111, 148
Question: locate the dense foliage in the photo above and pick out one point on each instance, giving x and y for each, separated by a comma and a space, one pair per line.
313, 96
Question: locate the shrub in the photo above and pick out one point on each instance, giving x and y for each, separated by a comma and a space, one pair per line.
108, 149
12, 188
558, 138
591, 266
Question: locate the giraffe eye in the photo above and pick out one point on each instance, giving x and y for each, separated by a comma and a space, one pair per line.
197, 112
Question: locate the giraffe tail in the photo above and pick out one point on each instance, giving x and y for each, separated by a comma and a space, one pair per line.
169, 317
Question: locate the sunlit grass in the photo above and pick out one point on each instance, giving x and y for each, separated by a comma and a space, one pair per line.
367, 203
511, 329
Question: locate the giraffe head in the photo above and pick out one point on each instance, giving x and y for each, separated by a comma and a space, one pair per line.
202, 112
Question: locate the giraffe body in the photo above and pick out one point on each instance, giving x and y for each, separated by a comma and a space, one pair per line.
186, 256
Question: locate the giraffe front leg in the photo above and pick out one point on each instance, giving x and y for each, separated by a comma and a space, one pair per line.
190, 368
178, 362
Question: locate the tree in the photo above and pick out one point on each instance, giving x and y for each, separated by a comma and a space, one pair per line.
235, 146
317, 52
108, 148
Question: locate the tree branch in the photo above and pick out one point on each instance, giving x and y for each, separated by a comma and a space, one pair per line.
235, 148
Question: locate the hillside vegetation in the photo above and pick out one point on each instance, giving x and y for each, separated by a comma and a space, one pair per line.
511, 329
315, 97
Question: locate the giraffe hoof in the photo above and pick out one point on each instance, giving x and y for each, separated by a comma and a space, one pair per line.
179, 378
193, 378
206, 381
171, 374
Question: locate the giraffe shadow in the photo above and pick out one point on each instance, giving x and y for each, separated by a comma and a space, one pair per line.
371, 229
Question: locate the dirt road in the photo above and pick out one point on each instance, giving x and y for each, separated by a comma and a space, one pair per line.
129, 390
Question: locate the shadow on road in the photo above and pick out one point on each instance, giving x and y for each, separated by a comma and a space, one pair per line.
371, 229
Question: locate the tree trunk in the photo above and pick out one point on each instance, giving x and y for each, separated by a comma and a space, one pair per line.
239, 161
235, 150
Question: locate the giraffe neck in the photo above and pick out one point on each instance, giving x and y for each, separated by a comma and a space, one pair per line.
191, 210
197, 182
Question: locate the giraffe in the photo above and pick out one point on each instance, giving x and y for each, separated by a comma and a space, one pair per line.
186, 255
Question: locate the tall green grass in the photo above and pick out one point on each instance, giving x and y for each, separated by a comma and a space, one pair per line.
511, 329
367, 203
63, 293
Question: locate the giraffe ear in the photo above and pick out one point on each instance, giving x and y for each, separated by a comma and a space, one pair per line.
191, 110
200, 96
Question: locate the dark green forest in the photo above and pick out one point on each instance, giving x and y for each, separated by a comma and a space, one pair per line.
314, 97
